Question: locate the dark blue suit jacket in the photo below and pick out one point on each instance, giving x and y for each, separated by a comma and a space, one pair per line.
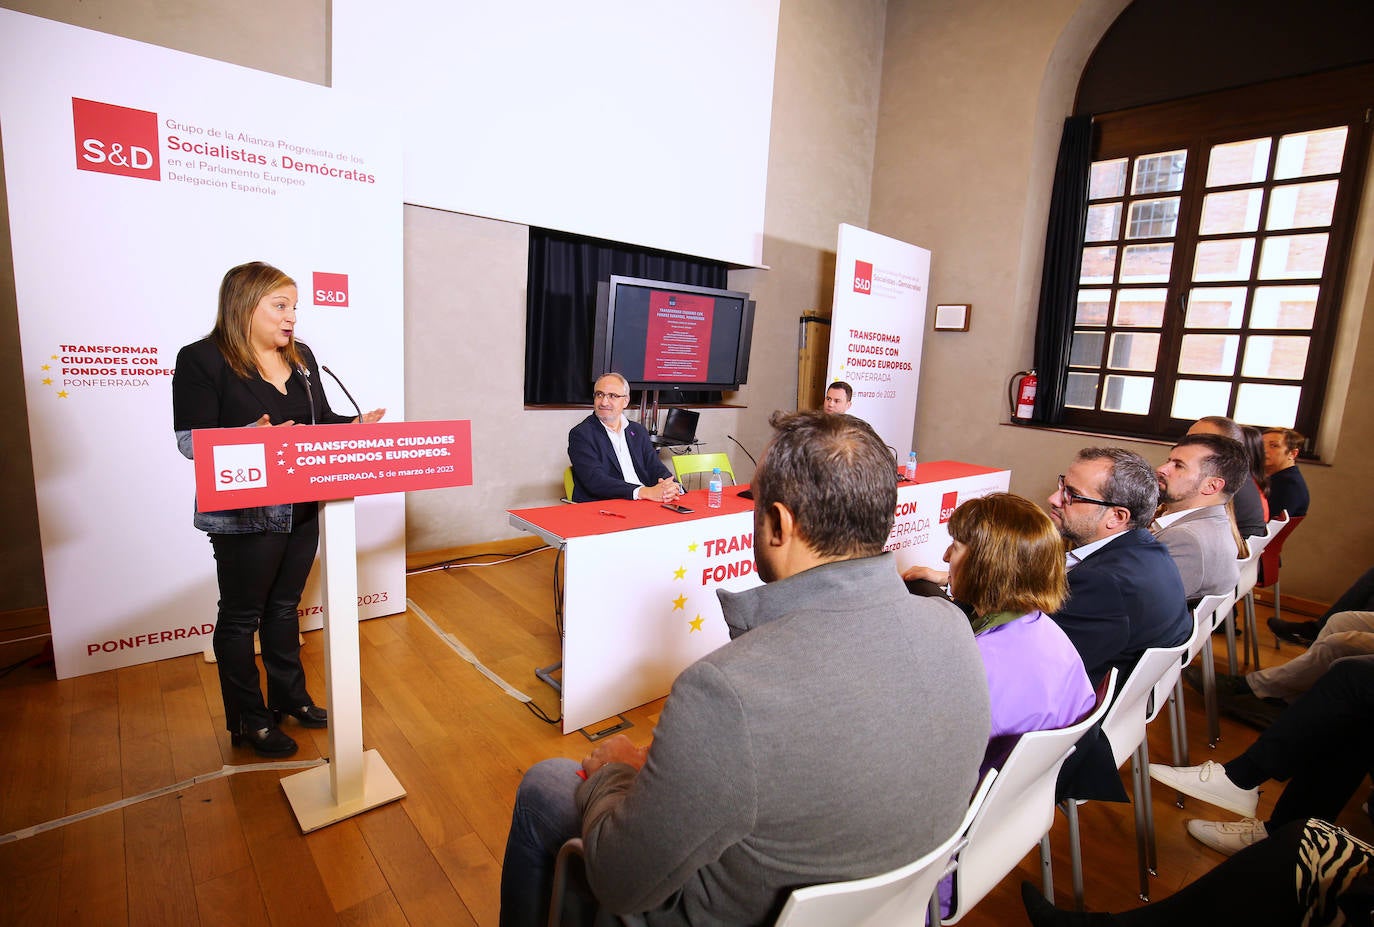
1124, 599
596, 472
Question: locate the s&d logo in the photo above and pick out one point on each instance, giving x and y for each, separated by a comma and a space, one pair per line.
948, 503
115, 139
240, 466
863, 277
331, 289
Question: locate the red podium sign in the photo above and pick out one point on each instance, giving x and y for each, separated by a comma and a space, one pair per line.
242, 467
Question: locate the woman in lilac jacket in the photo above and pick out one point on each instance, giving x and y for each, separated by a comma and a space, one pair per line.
1006, 567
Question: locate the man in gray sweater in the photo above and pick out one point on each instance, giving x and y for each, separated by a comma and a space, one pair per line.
838, 735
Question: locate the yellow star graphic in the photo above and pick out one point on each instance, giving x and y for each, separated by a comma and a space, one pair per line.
695, 623
62, 394
680, 573
47, 366
54, 357
47, 381
679, 602
692, 547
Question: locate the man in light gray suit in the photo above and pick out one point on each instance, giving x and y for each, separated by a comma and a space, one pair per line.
1201, 474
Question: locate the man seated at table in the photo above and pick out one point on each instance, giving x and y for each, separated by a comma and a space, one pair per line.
1201, 474
1287, 488
1125, 594
839, 396
1246, 504
733, 806
613, 457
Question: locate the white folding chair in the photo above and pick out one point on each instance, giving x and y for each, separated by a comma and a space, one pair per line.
902, 896
1019, 810
1245, 593
1206, 616
1124, 726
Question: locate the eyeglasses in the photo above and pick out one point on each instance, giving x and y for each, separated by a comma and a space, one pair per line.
598, 396
1070, 497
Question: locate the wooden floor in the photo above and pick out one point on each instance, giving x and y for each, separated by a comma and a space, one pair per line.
228, 850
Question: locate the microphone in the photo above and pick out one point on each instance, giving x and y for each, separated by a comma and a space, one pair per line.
304, 371
746, 451
345, 391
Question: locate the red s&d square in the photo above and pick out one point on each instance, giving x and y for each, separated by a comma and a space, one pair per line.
948, 503
331, 290
863, 277
116, 140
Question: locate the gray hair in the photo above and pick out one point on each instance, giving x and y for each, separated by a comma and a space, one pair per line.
1131, 484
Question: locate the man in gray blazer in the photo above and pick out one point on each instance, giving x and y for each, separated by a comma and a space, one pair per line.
1203, 471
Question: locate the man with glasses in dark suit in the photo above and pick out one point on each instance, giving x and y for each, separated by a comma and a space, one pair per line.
613, 457
1125, 594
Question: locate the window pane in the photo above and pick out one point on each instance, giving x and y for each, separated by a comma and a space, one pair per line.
1292, 256
1236, 211
1271, 406
1238, 162
1086, 350
1128, 394
1104, 222
1143, 308
1275, 357
1209, 354
1215, 307
1081, 391
1284, 307
1153, 218
1092, 307
1195, 398
1159, 173
1099, 265
1134, 351
1301, 205
1224, 260
1108, 178
1146, 263
1309, 153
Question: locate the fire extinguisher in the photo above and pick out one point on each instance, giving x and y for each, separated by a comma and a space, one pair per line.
1021, 398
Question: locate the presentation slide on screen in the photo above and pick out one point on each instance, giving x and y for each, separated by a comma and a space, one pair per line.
678, 346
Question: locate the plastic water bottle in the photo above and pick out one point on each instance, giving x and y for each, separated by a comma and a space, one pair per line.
713, 492
910, 473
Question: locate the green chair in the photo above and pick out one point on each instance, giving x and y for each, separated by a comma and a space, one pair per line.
687, 464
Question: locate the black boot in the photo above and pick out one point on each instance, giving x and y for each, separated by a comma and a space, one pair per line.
1044, 914
265, 741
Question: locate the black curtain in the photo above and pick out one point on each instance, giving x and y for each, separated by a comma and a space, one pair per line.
1059, 277
560, 314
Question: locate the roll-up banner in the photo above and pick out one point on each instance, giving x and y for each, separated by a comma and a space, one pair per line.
136, 177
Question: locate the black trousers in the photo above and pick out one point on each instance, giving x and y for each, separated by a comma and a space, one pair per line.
261, 577
1322, 744
1358, 598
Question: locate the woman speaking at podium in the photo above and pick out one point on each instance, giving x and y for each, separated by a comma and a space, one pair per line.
251, 370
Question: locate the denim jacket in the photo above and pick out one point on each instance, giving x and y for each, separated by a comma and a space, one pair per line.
275, 519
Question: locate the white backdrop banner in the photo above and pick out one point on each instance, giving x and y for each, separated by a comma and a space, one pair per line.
136, 177
876, 329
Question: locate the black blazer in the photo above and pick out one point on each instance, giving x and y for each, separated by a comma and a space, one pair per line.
596, 472
206, 393
1124, 599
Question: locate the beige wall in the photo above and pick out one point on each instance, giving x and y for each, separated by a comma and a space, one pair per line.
973, 98
956, 155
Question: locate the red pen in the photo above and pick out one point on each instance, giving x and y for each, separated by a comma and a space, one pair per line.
612, 514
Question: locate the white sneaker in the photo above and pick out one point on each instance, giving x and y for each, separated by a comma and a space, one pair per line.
1209, 783
1228, 837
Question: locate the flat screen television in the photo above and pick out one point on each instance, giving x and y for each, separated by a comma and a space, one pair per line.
671, 336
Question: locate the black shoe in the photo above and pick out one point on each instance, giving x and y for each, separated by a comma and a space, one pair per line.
1044, 914
1226, 684
1302, 633
307, 715
265, 741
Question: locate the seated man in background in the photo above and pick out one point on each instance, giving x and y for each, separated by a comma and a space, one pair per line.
839, 396
613, 457
1125, 595
733, 805
1246, 503
1287, 488
1195, 484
